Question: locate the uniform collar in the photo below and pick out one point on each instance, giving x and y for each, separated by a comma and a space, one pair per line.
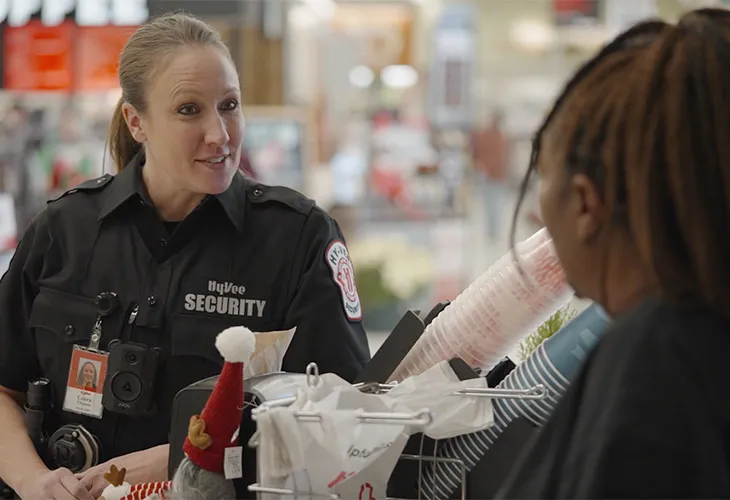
233, 200
128, 185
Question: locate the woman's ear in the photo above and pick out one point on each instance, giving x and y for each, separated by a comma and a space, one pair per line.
590, 207
134, 122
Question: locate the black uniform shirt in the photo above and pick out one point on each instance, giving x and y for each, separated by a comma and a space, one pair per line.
264, 257
648, 417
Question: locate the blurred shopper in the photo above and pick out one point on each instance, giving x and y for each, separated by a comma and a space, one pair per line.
490, 150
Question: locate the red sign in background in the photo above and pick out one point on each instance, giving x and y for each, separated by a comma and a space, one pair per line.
96, 56
575, 11
38, 57
62, 58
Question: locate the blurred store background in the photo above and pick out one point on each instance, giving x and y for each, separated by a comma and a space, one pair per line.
410, 121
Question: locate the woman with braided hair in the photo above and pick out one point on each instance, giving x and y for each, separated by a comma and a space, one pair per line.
634, 163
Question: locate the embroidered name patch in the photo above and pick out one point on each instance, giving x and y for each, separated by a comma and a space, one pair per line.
343, 274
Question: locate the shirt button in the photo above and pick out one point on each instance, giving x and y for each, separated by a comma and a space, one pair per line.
152, 300
69, 330
163, 242
257, 192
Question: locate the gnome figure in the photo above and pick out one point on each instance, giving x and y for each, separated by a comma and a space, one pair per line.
200, 475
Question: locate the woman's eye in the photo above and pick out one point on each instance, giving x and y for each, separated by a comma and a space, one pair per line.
187, 109
230, 105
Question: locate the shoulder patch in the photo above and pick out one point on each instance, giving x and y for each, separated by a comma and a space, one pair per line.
89, 185
343, 274
260, 193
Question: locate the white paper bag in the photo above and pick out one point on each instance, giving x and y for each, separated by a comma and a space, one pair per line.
333, 447
371, 483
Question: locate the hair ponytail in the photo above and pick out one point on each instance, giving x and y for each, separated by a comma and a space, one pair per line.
122, 146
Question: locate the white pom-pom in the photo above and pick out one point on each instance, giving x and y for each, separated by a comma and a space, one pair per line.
236, 344
112, 492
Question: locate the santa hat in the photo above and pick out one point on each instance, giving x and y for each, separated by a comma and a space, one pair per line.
212, 432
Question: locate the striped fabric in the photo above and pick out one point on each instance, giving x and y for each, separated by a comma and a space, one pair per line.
144, 490
441, 479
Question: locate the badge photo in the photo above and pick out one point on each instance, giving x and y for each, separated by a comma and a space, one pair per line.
343, 273
85, 385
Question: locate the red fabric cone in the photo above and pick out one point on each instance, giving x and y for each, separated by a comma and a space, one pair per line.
210, 434
222, 416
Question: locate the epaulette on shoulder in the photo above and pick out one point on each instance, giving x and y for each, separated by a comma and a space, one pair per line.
87, 186
260, 193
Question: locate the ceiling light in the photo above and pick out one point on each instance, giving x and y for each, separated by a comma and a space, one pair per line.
399, 76
532, 34
361, 77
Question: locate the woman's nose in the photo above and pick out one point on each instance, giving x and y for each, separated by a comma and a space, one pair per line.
216, 133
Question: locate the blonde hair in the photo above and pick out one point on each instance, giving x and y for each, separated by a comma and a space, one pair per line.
143, 55
80, 377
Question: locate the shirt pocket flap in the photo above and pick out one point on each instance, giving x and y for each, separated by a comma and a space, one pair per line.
70, 317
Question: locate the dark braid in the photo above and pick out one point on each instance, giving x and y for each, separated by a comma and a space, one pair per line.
641, 33
648, 120
681, 210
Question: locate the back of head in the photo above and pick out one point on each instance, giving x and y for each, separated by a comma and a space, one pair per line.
647, 120
145, 55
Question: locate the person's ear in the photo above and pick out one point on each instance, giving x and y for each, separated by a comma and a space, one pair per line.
588, 206
134, 122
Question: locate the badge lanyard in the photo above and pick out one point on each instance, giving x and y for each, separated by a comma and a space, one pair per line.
88, 368
95, 335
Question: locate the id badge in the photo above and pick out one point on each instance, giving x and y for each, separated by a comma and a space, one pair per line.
85, 385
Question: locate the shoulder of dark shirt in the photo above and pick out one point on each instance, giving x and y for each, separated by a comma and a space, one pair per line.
657, 345
262, 194
317, 224
90, 186
82, 200
656, 323
635, 339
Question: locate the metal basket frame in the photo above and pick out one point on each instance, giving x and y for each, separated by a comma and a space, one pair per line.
418, 419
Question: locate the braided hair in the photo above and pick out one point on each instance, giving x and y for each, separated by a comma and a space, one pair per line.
648, 121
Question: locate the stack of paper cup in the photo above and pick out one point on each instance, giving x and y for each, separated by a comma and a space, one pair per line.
484, 323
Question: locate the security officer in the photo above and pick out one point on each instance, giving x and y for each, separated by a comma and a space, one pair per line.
166, 254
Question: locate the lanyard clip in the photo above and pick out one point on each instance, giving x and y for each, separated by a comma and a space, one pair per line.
106, 303
95, 335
